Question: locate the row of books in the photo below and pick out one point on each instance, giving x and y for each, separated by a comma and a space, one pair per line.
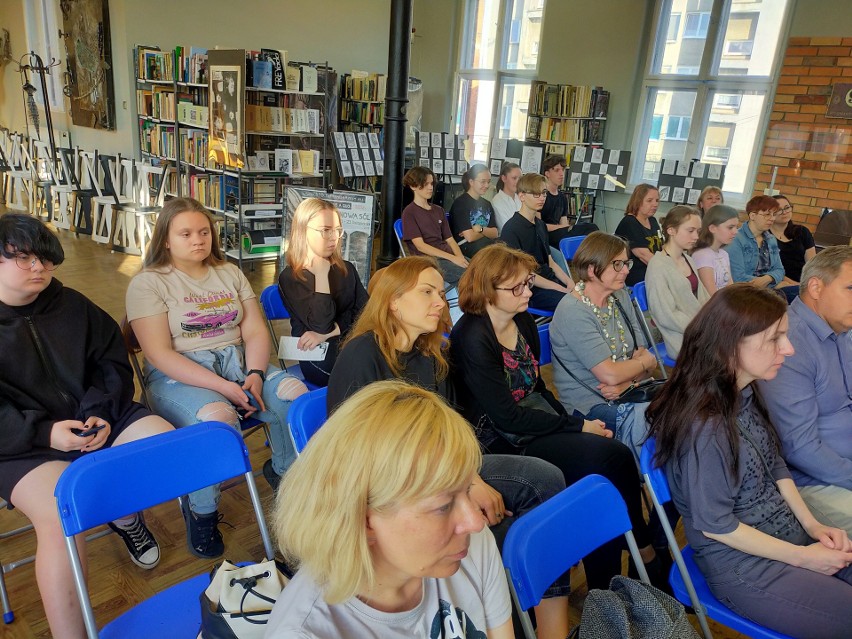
362, 112
281, 120
193, 115
213, 191
153, 64
566, 100
364, 86
546, 129
193, 144
156, 103
157, 139
191, 64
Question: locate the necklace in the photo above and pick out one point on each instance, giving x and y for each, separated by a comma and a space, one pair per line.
604, 318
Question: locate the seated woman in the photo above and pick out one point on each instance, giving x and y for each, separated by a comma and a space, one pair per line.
675, 292
710, 196
641, 229
206, 349
795, 242
761, 550
754, 253
471, 216
67, 390
505, 201
595, 338
400, 334
424, 226
495, 353
322, 292
719, 226
377, 514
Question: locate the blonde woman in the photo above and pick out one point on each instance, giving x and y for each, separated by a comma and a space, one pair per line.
321, 291
376, 514
710, 197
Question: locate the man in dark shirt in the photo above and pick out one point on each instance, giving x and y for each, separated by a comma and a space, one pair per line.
555, 209
527, 232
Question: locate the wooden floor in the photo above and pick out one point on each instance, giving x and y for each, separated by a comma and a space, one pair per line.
115, 583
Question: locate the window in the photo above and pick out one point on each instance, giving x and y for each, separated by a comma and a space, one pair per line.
43, 38
706, 89
498, 60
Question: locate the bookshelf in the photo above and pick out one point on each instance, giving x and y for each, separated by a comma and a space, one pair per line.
362, 102
564, 116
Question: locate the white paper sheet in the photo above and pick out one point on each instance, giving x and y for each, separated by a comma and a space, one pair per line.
287, 349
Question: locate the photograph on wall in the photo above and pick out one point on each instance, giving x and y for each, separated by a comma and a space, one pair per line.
225, 128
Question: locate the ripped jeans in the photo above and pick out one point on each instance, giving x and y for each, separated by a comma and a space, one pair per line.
180, 405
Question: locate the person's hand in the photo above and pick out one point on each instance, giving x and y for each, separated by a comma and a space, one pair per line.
98, 439
62, 438
834, 538
254, 385
490, 502
613, 391
459, 260
234, 393
309, 341
645, 357
819, 558
596, 427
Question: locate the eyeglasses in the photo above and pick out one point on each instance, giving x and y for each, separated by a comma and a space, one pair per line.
767, 215
535, 193
786, 208
620, 264
327, 234
26, 262
518, 289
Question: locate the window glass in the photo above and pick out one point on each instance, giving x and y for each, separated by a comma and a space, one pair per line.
473, 114
682, 48
667, 139
514, 101
521, 51
480, 34
751, 38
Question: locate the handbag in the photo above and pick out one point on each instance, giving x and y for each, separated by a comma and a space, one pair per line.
239, 600
534, 400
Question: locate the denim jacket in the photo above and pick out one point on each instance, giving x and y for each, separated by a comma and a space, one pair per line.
743, 254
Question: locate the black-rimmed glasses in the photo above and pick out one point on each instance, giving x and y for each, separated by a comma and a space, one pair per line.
26, 262
620, 264
518, 289
328, 234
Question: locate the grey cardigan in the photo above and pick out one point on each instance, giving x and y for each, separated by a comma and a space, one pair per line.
670, 299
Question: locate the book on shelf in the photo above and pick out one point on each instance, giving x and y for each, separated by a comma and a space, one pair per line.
156, 65
309, 79
368, 87
283, 160
292, 77
278, 60
600, 103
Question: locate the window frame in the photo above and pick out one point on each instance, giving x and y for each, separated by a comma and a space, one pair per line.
42, 24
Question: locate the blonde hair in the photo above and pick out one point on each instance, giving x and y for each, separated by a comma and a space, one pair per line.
297, 248
707, 190
387, 285
387, 446
158, 255
487, 269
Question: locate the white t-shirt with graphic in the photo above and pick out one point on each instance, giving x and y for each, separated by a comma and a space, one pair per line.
203, 314
463, 606
719, 261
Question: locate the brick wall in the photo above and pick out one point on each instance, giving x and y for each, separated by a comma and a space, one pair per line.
813, 153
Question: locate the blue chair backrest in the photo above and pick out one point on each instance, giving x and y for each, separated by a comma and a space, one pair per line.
639, 293
568, 246
554, 536
656, 476
307, 413
272, 304
544, 339
115, 482
397, 229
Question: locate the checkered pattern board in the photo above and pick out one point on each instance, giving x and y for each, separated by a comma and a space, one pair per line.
682, 182
598, 169
444, 153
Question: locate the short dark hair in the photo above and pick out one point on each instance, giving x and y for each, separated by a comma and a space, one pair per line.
415, 178
762, 203
21, 233
552, 161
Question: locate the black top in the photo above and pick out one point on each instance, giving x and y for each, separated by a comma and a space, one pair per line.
465, 212
64, 359
555, 207
360, 362
483, 389
638, 236
530, 238
793, 252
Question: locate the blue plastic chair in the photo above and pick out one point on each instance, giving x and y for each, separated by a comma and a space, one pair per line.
544, 338
639, 295
568, 246
547, 541
686, 578
397, 230
307, 413
114, 482
274, 309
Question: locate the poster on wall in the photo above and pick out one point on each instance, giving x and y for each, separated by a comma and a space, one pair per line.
85, 28
226, 71
840, 103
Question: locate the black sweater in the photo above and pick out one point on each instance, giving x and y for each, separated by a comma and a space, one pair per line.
480, 381
64, 358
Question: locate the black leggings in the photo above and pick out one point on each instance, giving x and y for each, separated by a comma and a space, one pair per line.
578, 455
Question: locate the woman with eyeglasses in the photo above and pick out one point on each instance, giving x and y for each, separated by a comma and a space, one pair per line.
206, 349
795, 242
67, 390
472, 218
495, 353
754, 253
322, 293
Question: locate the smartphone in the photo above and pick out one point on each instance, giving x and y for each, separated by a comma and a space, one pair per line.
89, 431
242, 411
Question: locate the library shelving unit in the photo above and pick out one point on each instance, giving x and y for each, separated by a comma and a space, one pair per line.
362, 110
564, 116
156, 106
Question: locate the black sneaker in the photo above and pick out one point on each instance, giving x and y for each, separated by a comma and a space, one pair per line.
143, 548
202, 533
269, 474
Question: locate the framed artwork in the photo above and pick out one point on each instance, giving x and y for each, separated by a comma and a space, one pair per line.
226, 89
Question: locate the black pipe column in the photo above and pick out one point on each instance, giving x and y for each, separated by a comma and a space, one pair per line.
396, 100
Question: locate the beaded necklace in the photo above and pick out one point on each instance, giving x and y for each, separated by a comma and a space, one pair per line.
604, 318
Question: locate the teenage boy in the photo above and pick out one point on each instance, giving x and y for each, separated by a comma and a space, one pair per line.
527, 232
555, 209
425, 229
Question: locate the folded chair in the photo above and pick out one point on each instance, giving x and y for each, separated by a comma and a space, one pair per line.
639, 297
554, 536
686, 578
20, 176
136, 476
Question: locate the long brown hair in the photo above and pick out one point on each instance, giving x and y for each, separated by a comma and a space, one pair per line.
637, 197
703, 387
676, 216
387, 285
297, 248
158, 255
716, 215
